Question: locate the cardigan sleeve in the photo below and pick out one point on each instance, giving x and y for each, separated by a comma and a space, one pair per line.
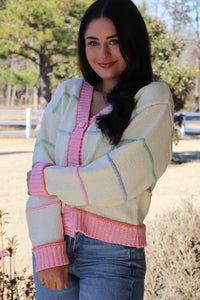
44, 211
135, 165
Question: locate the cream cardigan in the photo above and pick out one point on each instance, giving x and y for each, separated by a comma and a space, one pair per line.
82, 183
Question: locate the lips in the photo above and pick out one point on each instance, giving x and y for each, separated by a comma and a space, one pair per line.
106, 65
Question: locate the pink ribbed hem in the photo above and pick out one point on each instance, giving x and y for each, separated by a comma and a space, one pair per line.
107, 230
37, 185
50, 255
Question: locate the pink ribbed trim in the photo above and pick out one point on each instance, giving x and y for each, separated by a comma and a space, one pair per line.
37, 184
82, 117
82, 185
50, 255
97, 227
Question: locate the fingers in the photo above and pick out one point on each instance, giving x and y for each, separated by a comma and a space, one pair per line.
44, 280
51, 285
62, 282
54, 278
66, 277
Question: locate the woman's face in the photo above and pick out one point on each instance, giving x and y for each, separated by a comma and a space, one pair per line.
102, 50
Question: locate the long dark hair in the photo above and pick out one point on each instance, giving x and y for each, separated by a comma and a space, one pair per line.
135, 48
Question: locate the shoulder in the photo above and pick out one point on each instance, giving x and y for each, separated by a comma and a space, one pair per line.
70, 86
67, 90
153, 93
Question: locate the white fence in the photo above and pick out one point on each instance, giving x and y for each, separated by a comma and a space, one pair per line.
189, 118
27, 122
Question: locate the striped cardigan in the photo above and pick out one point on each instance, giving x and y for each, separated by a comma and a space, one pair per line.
81, 183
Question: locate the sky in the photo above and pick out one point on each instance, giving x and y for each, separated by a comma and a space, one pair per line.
162, 13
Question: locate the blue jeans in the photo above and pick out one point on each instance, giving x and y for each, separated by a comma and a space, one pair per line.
99, 271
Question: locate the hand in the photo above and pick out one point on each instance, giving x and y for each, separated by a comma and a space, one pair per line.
28, 181
54, 278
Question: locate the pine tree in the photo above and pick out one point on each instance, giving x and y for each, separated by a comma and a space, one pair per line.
43, 32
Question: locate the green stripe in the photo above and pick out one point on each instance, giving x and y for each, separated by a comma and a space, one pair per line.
146, 148
71, 96
135, 112
151, 159
58, 104
45, 142
126, 141
60, 100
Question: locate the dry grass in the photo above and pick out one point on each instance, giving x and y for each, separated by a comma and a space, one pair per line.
173, 254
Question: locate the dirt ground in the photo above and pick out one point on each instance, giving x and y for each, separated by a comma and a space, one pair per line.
180, 181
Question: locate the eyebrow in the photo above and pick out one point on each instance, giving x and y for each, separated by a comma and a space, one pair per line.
95, 38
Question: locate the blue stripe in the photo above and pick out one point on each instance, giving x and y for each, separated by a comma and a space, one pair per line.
93, 132
87, 132
119, 179
64, 131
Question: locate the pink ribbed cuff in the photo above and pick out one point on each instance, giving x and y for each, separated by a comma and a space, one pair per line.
37, 184
50, 255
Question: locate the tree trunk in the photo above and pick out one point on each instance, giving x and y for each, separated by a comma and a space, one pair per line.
13, 95
35, 98
156, 8
8, 98
197, 81
174, 18
45, 71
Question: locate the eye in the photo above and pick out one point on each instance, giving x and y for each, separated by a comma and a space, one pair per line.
92, 43
114, 42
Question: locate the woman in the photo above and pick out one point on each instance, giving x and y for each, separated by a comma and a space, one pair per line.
103, 143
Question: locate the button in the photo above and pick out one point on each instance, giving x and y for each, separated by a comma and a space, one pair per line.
82, 124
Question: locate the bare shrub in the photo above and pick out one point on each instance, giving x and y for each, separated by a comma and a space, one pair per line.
12, 285
173, 254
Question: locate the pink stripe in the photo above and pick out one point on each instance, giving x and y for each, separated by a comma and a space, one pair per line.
104, 229
82, 185
43, 205
50, 255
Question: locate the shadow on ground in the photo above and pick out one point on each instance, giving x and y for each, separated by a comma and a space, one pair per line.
15, 152
185, 157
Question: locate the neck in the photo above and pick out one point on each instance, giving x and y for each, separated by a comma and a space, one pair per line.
106, 87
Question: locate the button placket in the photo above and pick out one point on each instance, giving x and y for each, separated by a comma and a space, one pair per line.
82, 124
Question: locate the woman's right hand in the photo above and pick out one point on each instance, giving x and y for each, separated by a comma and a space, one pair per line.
54, 278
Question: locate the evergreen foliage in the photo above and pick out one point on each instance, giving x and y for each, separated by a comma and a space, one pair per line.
43, 32
166, 50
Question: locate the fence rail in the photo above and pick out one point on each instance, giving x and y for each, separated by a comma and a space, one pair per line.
189, 118
27, 122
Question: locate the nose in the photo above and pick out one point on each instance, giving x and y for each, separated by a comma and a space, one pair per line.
104, 51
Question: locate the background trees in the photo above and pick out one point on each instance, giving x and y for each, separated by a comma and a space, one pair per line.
166, 51
186, 14
38, 45
183, 21
42, 32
